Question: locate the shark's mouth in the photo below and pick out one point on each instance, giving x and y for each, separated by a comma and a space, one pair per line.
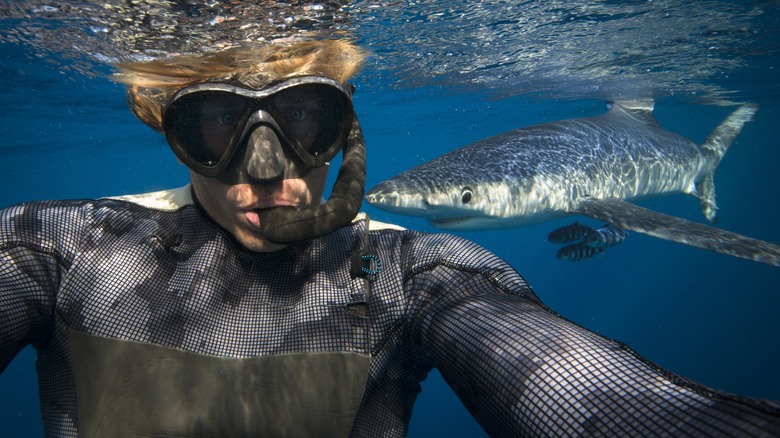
452, 221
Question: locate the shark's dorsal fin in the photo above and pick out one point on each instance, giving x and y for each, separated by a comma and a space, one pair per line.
642, 220
641, 110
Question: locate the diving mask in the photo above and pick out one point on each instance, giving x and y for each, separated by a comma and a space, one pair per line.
207, 123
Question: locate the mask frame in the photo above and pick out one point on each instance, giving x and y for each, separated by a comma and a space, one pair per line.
183, 131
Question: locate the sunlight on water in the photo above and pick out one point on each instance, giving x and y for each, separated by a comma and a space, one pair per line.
567, 49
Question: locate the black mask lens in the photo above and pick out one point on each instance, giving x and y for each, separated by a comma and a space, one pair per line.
204, 125
313, 117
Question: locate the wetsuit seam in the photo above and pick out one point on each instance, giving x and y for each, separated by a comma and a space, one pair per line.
487, 273
61, 260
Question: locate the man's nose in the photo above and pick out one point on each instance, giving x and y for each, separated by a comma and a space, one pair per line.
264, 159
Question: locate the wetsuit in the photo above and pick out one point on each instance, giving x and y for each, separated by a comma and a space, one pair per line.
166, 276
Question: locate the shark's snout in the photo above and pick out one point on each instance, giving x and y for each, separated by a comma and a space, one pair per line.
397, 198
384, 193
381, 199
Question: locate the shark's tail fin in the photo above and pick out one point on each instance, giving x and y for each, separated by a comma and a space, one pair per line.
715, 147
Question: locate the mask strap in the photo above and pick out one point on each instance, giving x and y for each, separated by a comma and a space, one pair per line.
286, 225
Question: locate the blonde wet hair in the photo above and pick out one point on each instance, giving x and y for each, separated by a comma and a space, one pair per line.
152, 83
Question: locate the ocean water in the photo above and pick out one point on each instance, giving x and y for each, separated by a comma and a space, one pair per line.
444, 74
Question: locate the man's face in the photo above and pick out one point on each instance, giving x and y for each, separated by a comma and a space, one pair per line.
235, 206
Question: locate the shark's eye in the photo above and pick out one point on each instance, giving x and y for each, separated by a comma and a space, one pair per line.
465, 194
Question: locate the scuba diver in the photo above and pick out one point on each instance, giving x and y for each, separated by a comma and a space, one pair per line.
245, 305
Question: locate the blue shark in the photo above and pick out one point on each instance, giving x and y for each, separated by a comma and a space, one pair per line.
593, 166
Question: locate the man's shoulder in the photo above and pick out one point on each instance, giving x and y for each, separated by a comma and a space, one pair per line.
422, 241
165, 200
374, 225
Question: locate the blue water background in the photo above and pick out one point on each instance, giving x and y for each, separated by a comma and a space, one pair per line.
706, 316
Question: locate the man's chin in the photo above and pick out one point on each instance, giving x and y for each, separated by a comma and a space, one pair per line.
256, 243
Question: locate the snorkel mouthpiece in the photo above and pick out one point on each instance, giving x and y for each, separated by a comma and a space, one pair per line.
286, 225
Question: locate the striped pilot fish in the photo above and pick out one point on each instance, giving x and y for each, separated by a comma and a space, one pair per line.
579, 251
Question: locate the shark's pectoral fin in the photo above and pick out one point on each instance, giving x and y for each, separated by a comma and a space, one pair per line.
631, 217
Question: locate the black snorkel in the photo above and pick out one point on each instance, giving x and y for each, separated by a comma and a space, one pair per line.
286, 225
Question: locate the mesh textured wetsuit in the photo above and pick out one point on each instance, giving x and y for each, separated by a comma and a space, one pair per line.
172, 277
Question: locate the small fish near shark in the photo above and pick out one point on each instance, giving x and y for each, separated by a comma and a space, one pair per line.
583, 242
588, 166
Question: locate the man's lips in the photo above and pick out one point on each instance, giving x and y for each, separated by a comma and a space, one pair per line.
252, 212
